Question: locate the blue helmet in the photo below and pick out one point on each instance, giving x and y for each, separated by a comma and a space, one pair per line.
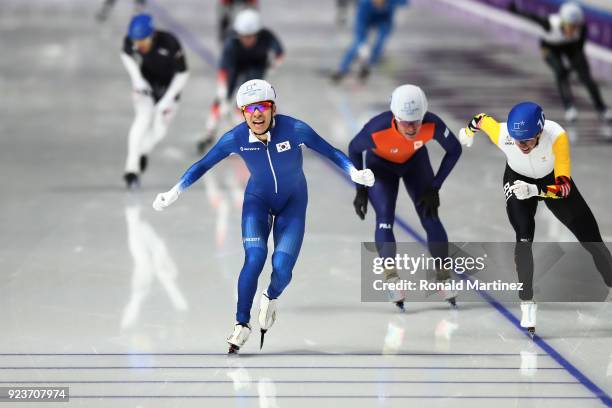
141, 26
525, 121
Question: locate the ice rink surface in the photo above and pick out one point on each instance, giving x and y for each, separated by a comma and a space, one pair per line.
131, 308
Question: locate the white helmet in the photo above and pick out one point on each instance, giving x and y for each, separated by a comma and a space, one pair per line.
247, 22
255, 90
408, 102
571, 13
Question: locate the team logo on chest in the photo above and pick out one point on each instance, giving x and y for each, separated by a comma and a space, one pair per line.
163, 51
394, 150
283, 146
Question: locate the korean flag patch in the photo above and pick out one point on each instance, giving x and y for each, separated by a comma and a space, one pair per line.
283, 146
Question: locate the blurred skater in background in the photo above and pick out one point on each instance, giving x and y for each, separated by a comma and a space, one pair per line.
562, 46
371, 15
226, 12
157, 67
247, 54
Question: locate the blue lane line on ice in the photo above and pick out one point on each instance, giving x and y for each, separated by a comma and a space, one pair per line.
207, 56
289, 382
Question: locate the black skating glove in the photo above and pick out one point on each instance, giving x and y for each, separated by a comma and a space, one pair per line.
361, 202
430, 201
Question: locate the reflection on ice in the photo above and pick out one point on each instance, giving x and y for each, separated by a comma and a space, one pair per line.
266, 388
395, 335
151, 261
444, 331
267, 393
529, 359
224, 188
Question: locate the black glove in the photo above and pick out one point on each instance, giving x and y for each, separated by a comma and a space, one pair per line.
430, 201
474, 124
361, 202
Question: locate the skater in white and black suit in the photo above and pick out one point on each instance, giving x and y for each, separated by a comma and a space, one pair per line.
156, 63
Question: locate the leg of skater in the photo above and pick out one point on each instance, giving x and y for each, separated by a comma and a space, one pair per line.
256, 224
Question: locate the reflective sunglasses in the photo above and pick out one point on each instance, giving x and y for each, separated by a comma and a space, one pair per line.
260, 106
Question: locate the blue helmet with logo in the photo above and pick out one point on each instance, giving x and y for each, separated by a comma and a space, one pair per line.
141, 26
525, 121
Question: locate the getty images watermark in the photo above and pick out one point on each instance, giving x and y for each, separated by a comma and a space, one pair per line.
385, 266
472, 269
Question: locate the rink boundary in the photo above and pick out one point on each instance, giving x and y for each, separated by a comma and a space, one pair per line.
518, 25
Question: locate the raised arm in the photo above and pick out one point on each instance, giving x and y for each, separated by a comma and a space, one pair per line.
483, 122
179, 80
312, 140
360, 144
224, 147
139, 83
277, 46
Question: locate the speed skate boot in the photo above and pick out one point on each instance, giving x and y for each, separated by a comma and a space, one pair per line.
397, 296
337, 77
238, 337
571, 114
528, 316
131, 180
364, 73
606, 116
267, 315
143, 163
450, 295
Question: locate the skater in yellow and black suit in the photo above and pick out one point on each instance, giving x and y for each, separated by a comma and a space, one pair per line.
538, 168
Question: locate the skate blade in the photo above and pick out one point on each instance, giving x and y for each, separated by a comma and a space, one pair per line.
263, 332
233, 350
452, 302
531, 331
400, 305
